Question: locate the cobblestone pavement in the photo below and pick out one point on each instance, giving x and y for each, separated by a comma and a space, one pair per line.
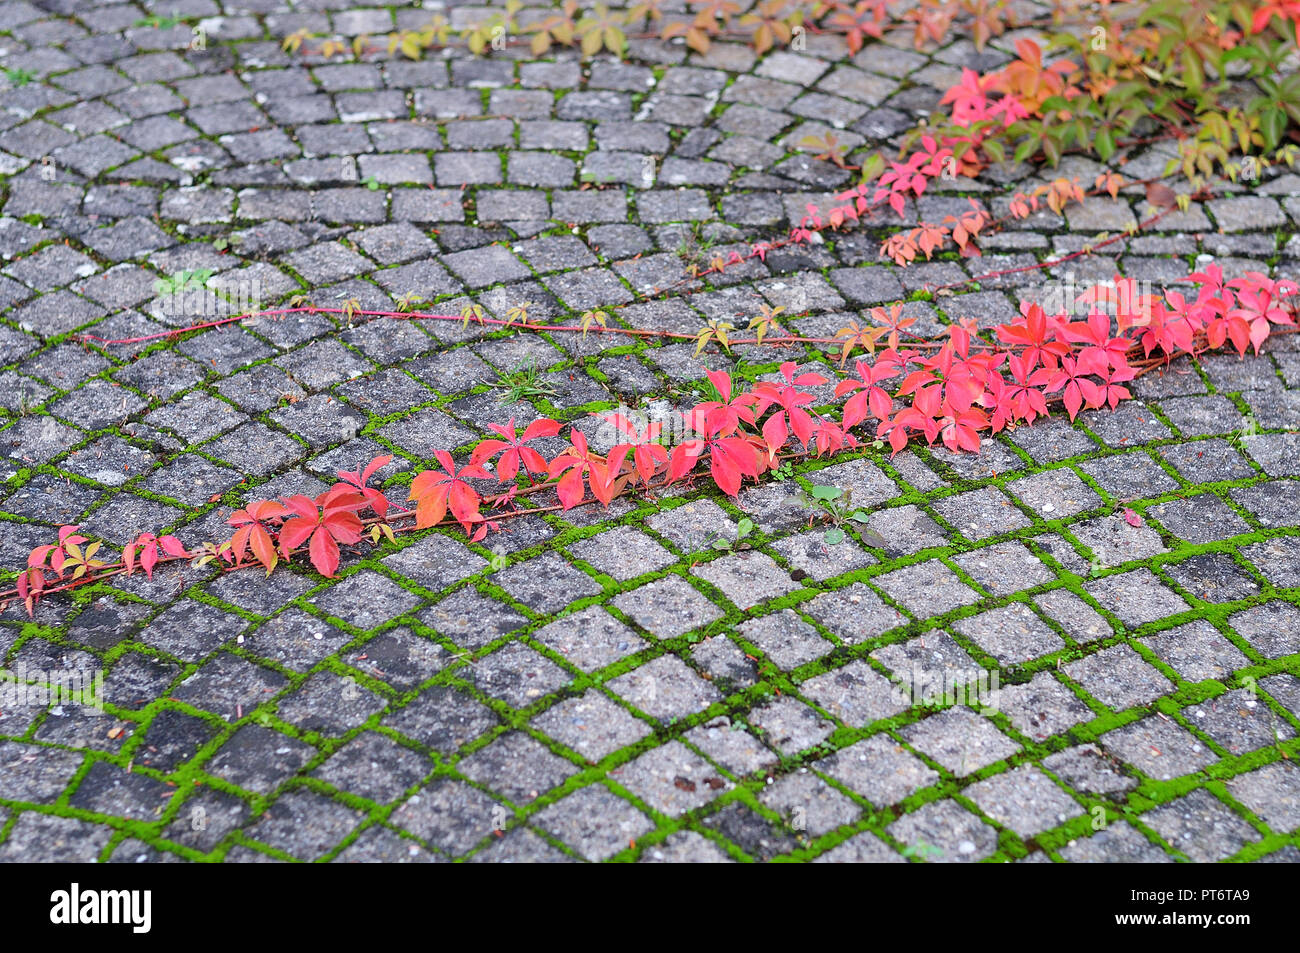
619, 684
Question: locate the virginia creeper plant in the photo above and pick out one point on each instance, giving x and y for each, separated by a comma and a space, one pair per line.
947, 392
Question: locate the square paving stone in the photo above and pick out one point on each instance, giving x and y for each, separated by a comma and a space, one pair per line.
1130, 424
480, 267
451, 815
747, 578
595, 822
1119, 843
196, 416
304, 824
45, 838
228, 685
1114, 541
809, 805
591, 725
880, 769
191, 479
1025, 800
855, 613
729, 744
322, 363
1273, 793
623, 553
866, 484
751, 832
926, 589
1136, 597
36, 774
1055, 494
1207, 461
206, 818
172, 739
693, 526
380, 845
256, 449
790, 726
1199, 519
424, 432
981, 513
856, 694
328, 704
1201, 826
1239, 722
665, 688
1129, 476
810, 553
942, 832
930, 666
1080, 621
671, 779
785, 638
469, 618
1273, 628
1042, 707
1276, 503
443, 718
1049, 441
365, 600
667, 607
906, 530
400, 658
259, 759
517, 766
1004, 568
1158, 747
1119, 677
295, 639
436, 562
320, 420
1011, 634
546, 583
191, 630
726, 663
1213, 577
685, 847
1285, 689
1086, 768
1200, 416
518, 675
960, 740
864, 848
327, 262
590, 639
374, 767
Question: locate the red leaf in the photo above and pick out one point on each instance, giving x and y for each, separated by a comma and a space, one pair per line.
173, 546
303, 506
294, 533
1131, 517
263, 548
343, 526
149, 559
324, 553
378, 463
540, 428
569, 489
464, 503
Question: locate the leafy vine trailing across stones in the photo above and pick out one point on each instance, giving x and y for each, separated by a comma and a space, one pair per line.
1164, 64
948, 396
